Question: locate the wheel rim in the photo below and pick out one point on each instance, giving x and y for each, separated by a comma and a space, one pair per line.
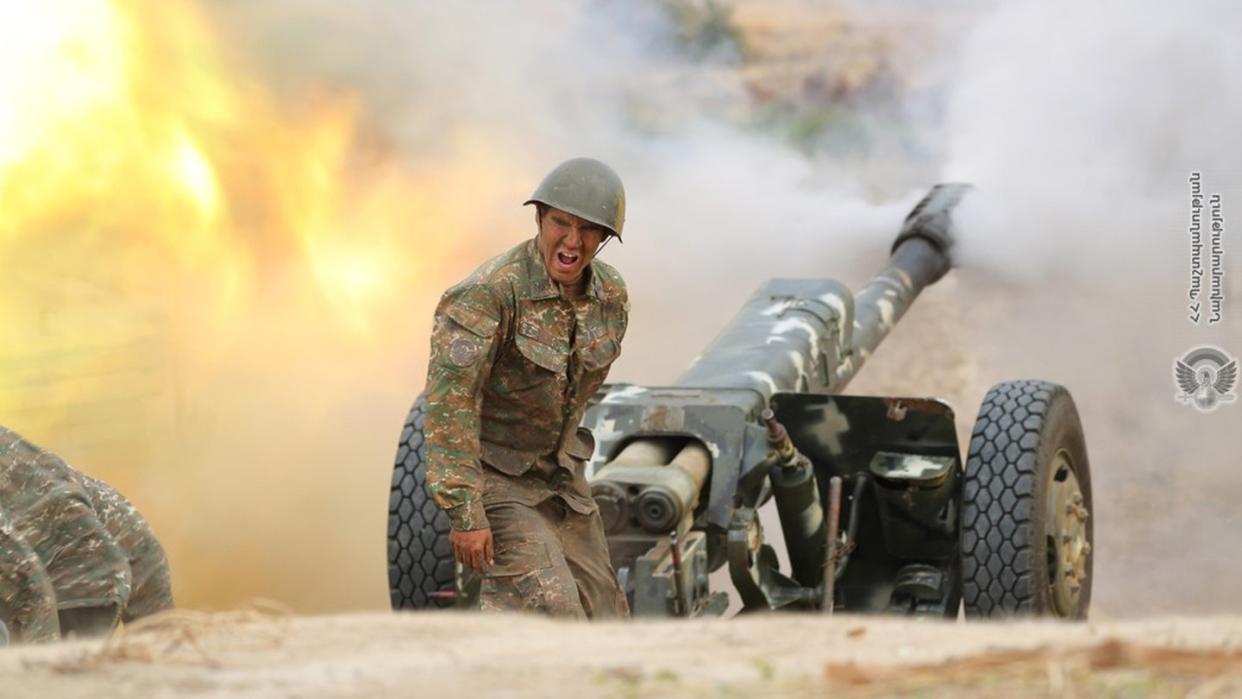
1066, 533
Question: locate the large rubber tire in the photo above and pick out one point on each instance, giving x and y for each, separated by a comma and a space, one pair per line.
420, 559
1027, 452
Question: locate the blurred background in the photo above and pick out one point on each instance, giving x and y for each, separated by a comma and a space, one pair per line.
224, 225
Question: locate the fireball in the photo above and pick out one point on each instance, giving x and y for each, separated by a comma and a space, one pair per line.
199, 269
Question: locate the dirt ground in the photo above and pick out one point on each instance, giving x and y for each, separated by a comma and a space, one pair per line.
443, 654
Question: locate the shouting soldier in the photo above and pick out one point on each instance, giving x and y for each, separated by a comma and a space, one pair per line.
517, 350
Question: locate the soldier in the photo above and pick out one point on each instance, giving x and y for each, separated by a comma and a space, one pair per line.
75, 556
516, 351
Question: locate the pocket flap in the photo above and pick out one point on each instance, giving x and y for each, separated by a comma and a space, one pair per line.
472, 319
545, 356
519, 559
581, 444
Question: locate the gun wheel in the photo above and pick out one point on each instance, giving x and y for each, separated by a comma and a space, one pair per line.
421, 568
1026, 506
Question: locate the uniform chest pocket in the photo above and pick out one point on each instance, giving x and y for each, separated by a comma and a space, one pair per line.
542, 354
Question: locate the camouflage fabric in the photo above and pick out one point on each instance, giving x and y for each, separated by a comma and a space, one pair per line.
150, 581
27, 600
68, 545
513, 363
550, 559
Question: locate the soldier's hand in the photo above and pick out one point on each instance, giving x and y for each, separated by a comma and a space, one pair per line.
472, 548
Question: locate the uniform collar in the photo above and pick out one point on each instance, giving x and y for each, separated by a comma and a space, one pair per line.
541, 285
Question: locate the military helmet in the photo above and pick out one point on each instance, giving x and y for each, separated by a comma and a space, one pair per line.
584, 187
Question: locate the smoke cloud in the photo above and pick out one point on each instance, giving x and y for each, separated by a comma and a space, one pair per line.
284, 451
1078, 125
1081, 125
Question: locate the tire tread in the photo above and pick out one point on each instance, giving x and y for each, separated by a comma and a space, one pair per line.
998, 499
420, 560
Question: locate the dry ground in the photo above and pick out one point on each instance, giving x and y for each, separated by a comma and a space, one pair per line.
443, 654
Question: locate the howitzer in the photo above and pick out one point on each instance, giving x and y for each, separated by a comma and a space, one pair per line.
681, 471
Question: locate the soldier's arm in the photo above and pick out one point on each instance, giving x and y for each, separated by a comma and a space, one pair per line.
617, 307
151, 583
51, 513
27, 600
464, 342
623, 297
89, 571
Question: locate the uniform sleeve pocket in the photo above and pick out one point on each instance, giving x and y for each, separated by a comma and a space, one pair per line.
541, 354
473, 320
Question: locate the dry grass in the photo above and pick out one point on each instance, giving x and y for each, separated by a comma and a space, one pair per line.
186, 637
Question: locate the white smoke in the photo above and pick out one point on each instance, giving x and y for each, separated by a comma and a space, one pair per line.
503, 91
1080, 124
714, 207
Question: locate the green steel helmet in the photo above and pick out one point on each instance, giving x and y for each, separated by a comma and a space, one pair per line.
584, 187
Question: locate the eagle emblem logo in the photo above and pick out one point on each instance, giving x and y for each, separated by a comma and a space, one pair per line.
1205, 378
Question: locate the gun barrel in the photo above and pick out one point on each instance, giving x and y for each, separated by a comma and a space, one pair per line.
920, 257
812, 335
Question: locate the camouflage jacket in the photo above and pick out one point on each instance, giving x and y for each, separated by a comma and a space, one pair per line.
68, 542
513, 363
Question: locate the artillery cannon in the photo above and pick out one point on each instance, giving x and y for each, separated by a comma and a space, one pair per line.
877, 510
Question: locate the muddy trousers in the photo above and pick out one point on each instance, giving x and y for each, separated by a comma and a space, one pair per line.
550, 559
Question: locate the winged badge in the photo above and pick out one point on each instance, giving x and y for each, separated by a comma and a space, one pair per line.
1206, 384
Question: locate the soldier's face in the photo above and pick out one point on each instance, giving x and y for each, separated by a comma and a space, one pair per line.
567, 243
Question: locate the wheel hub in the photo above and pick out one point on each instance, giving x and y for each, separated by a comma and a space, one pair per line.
1066, 535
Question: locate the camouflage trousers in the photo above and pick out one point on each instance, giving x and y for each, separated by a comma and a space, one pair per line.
550, 559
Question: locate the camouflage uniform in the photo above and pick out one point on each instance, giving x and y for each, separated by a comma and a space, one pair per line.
513, 363
75, 556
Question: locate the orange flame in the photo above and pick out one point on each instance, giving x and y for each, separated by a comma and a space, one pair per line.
125, 118
182, 246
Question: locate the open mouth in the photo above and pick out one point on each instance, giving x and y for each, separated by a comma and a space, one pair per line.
566, 261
